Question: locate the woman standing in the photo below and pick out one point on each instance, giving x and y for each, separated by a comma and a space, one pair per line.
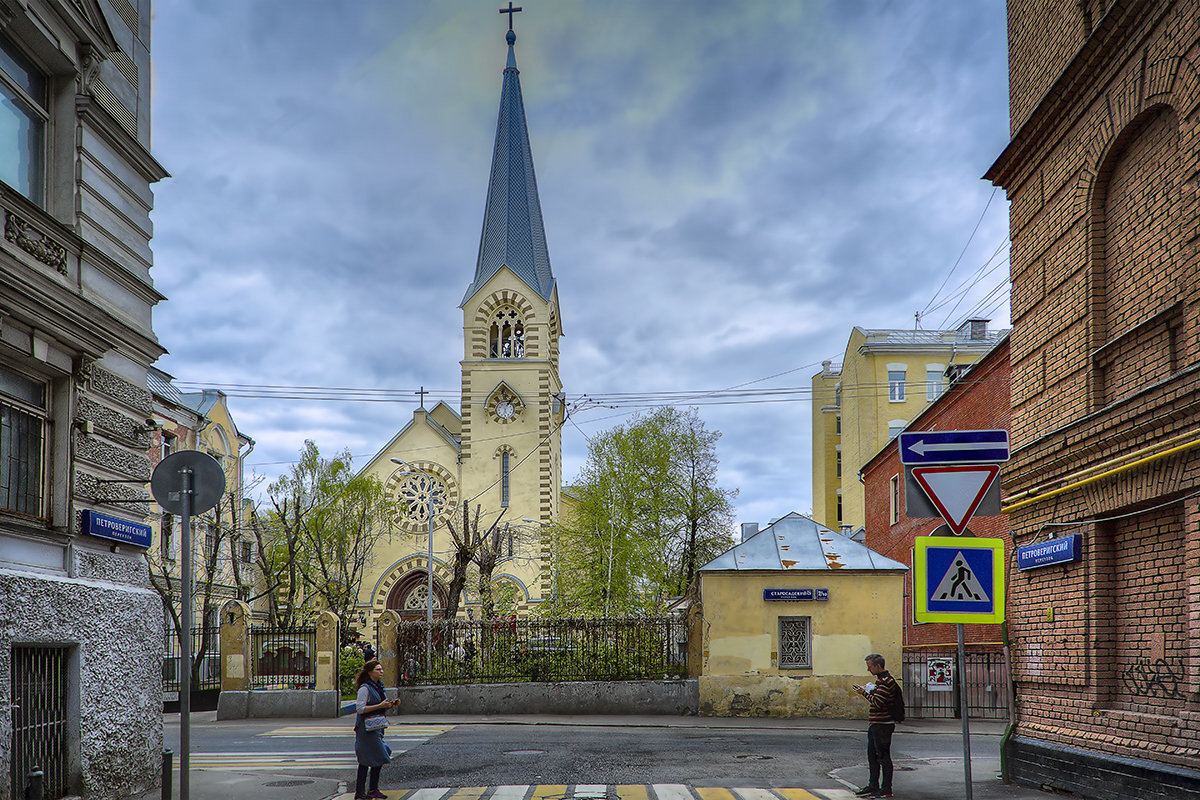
369, 746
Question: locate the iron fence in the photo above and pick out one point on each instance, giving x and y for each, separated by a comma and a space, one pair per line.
985, 682
206, 659
284, 658
40, 735
513, 650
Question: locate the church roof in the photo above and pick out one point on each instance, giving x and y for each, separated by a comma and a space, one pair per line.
797, 543
513, 233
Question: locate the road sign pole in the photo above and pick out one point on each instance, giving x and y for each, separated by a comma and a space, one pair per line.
185, 680
962, 708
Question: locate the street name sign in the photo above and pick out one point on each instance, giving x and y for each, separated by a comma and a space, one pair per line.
118, 530
956, 490
795, 595
1064, 550
953, 447
958, 580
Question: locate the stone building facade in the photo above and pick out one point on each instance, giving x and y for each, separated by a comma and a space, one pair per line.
976, 400
1101, 174
80, 628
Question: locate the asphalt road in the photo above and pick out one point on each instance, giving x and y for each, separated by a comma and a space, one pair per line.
438, 754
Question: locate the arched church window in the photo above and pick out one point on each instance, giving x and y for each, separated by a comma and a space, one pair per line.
504, 479
506, 338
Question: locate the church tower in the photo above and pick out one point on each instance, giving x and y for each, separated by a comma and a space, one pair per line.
502, 453
512, 400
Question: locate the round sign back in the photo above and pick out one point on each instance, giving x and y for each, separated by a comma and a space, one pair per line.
208, 482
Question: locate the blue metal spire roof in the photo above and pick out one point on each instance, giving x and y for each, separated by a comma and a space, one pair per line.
513, 233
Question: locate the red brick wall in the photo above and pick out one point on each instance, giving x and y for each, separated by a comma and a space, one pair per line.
1103, 177
978, 401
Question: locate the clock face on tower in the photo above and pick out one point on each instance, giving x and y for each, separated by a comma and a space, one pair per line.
504, 406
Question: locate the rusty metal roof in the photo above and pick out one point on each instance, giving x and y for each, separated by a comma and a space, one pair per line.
797, 543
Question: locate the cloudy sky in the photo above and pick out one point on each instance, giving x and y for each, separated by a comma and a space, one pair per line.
728, 188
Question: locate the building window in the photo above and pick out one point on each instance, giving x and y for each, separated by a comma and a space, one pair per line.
795, 642
895, 427
23, 424
247, 552
896, 373
838, 467
506, 338
23, 119
504, 479
212, 544
894, 498
839, 506
168, 444
838, 424
933, 381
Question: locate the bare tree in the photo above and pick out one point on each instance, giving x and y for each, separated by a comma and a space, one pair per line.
468, 543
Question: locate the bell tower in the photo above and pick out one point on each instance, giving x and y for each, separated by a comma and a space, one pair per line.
512, 400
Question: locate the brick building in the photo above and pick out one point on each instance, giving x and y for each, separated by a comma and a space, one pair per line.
978, 399
1101, 174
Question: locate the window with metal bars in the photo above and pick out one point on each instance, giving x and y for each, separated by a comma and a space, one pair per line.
23, 421
40, 732
795, 642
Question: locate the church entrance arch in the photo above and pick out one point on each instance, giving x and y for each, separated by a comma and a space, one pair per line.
409, 597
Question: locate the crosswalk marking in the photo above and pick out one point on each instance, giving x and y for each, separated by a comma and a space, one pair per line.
661, 791
797, 794
399, 738
632, 792
393, 732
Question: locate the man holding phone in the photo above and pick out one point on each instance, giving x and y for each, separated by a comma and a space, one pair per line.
881, 694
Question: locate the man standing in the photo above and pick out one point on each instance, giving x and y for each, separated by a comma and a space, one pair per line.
881, 694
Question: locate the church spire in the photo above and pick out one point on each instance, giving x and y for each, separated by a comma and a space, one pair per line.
513, 234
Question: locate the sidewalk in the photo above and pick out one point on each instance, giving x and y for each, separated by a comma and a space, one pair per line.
925, 778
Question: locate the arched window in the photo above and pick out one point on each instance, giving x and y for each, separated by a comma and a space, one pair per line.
506, 337
504, 479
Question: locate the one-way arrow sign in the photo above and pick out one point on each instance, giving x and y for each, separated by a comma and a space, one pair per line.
953, 447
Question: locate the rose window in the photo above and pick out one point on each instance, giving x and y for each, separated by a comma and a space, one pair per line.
421, 493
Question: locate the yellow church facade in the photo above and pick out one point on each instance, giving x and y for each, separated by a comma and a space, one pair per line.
500, 453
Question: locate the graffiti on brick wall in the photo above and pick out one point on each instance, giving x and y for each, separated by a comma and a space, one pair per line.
1152, 678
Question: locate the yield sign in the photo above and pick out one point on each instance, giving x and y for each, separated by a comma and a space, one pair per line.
956, 490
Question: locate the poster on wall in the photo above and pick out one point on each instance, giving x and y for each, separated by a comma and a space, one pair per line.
940, 675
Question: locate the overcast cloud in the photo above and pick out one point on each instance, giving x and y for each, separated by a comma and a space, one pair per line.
728, 188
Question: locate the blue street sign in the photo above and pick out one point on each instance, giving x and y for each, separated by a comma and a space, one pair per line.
953, 447
1065, 550
118, 530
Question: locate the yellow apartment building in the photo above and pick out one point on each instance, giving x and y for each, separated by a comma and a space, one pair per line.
886, 378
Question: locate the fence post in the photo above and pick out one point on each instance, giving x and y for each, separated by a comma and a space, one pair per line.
327, 650
168, 772
385, 646
34, 789
236, 664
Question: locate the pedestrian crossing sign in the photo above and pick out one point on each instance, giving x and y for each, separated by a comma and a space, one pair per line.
958, 579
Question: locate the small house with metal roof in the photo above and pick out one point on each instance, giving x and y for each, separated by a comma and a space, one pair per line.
788, 615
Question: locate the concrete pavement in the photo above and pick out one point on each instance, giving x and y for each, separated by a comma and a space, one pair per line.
924, 778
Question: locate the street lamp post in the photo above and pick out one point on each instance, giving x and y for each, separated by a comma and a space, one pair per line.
428, 572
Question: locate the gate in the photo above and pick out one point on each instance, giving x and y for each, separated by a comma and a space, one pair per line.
40, 730
986, 685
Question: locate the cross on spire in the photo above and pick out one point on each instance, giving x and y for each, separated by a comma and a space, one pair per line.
422, 393
510, 11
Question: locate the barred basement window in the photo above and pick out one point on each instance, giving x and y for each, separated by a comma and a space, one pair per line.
795, 642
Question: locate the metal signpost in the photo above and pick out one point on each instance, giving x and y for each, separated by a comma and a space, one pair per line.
185, 483
959, 578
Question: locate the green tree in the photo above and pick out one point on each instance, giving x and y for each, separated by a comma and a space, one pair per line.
322, 532
649, 513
